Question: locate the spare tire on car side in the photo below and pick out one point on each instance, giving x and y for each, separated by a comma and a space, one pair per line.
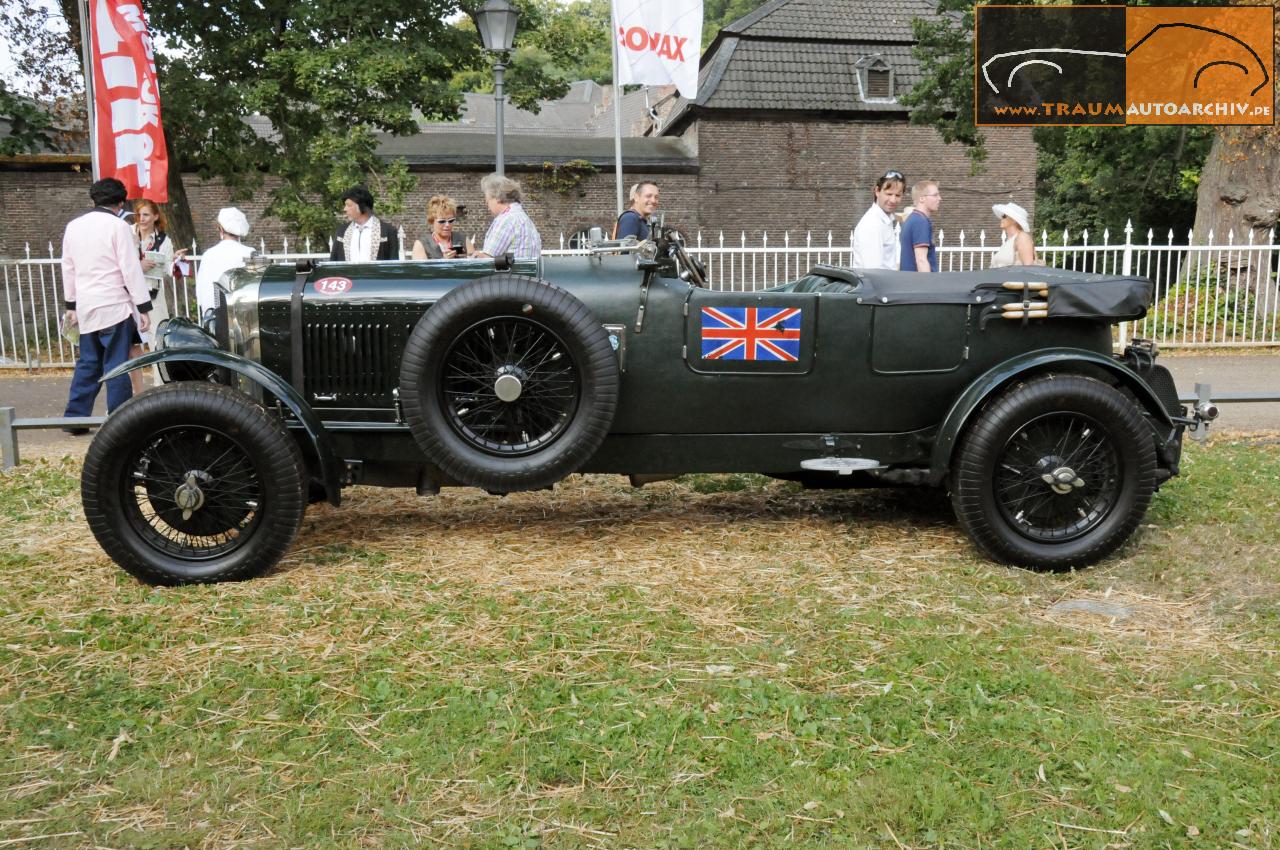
509, 383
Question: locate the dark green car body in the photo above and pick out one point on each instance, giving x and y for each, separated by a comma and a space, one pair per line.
881, 378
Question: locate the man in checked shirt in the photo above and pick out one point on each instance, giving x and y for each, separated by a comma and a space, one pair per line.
102, 282
512, 231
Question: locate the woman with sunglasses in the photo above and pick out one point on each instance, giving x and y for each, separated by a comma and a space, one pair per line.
1018, 247
442, 213
875, 241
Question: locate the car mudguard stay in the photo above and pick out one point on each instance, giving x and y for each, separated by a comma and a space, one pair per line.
268, 380
996, 378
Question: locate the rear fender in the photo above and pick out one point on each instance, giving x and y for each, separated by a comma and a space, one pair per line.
1048, 360
268, 380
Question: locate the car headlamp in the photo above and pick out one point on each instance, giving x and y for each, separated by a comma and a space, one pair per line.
242, 331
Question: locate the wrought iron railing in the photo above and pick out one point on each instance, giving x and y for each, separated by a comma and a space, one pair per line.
1213, 294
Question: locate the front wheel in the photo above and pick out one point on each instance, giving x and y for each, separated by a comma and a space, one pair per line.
1055, 473
192, 483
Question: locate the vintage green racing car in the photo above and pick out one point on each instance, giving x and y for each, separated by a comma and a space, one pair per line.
999, 385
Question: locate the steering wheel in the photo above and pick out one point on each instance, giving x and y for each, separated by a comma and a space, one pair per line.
692, 269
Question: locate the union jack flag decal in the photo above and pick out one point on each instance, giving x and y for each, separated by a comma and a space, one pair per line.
751, 333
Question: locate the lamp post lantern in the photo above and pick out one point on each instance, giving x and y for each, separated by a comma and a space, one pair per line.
496, 21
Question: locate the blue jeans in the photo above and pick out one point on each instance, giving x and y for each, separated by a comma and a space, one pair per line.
100, 352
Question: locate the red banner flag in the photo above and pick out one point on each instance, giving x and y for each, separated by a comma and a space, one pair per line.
130, 141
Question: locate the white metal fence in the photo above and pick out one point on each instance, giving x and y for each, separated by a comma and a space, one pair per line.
1220, 294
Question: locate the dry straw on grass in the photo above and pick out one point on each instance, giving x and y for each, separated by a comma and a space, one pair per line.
899, 553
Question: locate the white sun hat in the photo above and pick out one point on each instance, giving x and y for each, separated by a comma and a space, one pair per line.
1014, 212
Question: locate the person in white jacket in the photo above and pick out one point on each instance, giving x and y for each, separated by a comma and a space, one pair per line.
229, 253
875, 239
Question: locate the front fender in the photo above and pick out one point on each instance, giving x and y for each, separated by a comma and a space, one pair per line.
268, 380
985, 385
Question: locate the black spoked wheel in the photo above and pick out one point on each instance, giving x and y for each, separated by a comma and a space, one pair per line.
510, 386
192, 492
509, 383
1055, 473
1057, 478
193, 483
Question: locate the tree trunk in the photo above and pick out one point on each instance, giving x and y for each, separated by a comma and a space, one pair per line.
1240, 185
182, 228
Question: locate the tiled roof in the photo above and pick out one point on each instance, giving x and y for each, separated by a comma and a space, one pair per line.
797, 75
835, 20
803, 55
586, 110
476, 148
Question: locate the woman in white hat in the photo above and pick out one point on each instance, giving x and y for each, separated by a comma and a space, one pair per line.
1018, 248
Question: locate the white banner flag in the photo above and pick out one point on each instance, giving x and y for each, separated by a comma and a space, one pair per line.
659, 42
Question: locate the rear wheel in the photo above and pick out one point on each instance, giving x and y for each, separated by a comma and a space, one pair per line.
1055, 473
193, 482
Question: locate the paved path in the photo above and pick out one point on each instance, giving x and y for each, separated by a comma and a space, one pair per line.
45, 394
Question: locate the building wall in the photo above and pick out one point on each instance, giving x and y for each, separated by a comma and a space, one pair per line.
35, 207
818, 175
38, 205
753, 176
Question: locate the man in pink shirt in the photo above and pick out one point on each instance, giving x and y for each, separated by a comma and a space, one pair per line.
102, 282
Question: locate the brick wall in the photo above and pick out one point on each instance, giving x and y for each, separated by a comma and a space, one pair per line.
753, 176
818, 175
35, 207
38, 205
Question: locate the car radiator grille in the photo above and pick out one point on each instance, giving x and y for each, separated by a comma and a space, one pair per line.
350, 363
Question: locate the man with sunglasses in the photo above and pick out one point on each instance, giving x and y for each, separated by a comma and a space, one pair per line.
919, 254
875, 239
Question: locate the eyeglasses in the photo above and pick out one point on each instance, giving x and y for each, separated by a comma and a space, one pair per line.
445, 220
893, 175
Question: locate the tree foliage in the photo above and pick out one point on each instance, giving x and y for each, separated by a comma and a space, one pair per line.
45, 109
555, 45
717, 13
299, 89
943, 97
1101, 177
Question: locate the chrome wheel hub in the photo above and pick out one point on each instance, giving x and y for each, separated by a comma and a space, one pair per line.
189, 496
1062, 480
507, 387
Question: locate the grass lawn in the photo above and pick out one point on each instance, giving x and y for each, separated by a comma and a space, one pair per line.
715, 662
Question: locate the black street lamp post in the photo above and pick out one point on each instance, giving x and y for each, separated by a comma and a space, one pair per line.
496, 21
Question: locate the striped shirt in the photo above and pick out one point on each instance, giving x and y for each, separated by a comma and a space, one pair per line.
513, 232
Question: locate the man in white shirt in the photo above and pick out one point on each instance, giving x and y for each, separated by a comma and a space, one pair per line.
229, 253
364, 238
102, 283
875, 239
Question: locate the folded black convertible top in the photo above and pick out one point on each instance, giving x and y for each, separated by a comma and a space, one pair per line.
1070, 294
